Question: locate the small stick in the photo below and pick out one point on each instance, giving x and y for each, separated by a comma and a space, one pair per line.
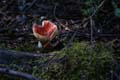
17, 74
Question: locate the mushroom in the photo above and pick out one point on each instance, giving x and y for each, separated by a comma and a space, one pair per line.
45, 32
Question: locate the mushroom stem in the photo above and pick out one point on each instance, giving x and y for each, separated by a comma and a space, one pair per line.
39, 44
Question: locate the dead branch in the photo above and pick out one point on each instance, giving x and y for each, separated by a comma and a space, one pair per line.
17, 74
87, 35
8, 55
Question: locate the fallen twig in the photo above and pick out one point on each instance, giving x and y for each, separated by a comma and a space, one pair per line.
17, 74
9, 55
95, 11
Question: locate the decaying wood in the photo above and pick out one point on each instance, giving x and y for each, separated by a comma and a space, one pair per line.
17, 74
82, 34
7, 56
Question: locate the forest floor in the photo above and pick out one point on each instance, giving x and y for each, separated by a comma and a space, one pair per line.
93, 28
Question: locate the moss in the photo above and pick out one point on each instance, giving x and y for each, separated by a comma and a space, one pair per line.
2, 45
83, 62
25, 47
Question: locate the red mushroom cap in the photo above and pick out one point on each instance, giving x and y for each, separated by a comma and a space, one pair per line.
46, 31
